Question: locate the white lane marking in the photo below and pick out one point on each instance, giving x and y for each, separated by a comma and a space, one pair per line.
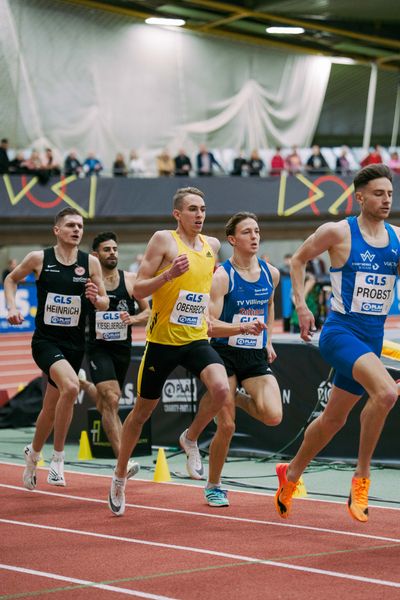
249, 559
92, 584
201, 486
209, 515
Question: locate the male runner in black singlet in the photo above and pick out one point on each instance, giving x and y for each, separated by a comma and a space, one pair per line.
108, 348
67, 280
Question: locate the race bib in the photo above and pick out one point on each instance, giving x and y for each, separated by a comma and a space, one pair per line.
110, 327
189, 309
246, 340
373, 293
62, 310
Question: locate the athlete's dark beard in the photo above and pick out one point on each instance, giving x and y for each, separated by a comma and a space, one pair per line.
109, 267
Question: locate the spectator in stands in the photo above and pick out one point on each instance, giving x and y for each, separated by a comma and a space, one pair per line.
255, 164
119, 166
50, 164
136, 165
286, 291
312, 290
16, 166
183, 164
92, 165
394, 162
317, 164
342, 163
374, 157
293, 162
205, 162
317, 267
12, 263
277, 163
72, 165
165, 164
4, 160
240, 166
33, 164
284, 269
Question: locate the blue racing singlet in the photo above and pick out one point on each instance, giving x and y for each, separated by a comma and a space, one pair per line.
246, 301
362, 290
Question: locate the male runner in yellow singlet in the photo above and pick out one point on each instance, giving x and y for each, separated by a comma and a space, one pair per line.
176, 271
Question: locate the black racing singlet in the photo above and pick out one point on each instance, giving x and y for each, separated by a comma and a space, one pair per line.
105, 327
62, 305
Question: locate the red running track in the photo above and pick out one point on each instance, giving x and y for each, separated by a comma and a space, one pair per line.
64, 543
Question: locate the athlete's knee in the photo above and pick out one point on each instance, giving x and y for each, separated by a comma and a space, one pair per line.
332, 422
220, 392
141, 413
225, 426
387, 396
109, 400
70, 389
272, 419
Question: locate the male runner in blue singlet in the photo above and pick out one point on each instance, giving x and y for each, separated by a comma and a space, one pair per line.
242, 319
364, 253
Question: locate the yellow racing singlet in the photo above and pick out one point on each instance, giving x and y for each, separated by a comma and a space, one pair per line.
178, 308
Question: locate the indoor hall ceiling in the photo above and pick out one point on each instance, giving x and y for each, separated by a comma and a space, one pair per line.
364, 30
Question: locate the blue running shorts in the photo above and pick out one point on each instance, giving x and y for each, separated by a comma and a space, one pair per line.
341, 346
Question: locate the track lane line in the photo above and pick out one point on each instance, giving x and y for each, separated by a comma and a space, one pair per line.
209, 515
248, 559
83, 582
193, 485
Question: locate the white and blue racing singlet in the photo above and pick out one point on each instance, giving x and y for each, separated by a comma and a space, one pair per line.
364, 286
246, 301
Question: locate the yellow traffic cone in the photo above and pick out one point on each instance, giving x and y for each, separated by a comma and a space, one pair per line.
300, 491
161, 472
85, 452
40, 461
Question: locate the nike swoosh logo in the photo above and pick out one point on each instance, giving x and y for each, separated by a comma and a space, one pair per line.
115, 509
282, 507
51, 266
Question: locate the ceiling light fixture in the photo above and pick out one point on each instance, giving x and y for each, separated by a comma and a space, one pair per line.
285, 30
164, 22
342, 60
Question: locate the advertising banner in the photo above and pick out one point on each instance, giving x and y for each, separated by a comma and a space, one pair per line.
305, 383
26, 300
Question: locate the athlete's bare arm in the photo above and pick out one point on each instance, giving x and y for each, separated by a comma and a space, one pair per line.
32, 263
215, 245
331, 237
217, 328
94, 287
142, 317
271, 354
160, 252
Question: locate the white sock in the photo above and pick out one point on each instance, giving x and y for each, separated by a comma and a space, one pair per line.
58, 455
211, 486
190, 442
35, 455
119, 479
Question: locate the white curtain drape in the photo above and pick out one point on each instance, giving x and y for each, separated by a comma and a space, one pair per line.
88, 80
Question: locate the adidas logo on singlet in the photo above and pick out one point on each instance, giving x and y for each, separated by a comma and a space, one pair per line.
209, 254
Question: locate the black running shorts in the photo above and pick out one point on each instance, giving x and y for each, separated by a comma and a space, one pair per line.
45, 353
107, 363
160, 359
244, 363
